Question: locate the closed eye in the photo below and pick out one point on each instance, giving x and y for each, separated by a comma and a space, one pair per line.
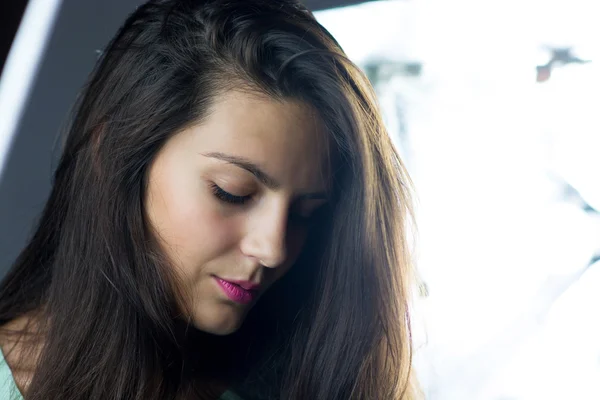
227, 197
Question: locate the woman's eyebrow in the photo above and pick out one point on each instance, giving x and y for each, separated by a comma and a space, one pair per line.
260, 174
249, 166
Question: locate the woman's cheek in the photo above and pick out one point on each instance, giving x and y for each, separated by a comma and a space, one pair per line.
295, 243
215, 232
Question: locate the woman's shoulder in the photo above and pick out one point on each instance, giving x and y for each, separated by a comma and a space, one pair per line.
10, 391
8, 387
18, 350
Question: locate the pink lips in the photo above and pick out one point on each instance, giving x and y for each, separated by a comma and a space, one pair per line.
239, 291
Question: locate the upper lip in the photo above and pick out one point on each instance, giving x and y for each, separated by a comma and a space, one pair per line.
247, 285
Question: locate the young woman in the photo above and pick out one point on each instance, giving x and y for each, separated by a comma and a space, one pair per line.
227, 219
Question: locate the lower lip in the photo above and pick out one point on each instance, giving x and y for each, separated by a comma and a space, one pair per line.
236, 293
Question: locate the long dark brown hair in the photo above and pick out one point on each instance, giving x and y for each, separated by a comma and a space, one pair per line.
336, 327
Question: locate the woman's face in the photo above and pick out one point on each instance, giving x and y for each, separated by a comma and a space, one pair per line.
231, 200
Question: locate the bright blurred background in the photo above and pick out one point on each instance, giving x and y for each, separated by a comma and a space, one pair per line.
495, 109
506, 166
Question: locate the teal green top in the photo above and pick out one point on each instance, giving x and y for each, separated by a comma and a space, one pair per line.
10, 391
8, 387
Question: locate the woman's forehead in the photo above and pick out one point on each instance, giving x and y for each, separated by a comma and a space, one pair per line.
286, 138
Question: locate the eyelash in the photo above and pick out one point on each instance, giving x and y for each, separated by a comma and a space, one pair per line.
227, 197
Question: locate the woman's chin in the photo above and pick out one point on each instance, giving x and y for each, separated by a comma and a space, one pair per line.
219, 322
219, 330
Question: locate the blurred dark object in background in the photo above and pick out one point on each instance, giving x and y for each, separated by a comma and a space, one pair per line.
316, 5
559, 58
11, 12
381, 70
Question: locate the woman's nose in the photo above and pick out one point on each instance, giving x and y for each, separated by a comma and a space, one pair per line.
265, 238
